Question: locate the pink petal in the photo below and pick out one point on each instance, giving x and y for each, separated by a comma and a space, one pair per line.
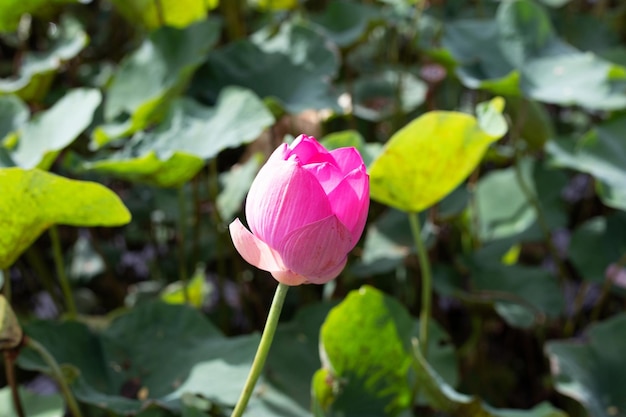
254, 250
359, 180
329, 275
328, 175
289, 278
347, 159
317, 251
280, 154
350, 202
258, 253
283, 198
309, 150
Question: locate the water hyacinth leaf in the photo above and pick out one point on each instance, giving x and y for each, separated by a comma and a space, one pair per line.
590, 371
346, 22
33, 200
375, 95
366, 354
154, 14
35, 405
37, 71
432, 155
597, 244
13, 114
49, 132
149, 78
113, 362
602, 153
273, 75
442, 397
236, 184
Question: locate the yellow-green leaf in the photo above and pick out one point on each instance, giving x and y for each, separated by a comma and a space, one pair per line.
33, 200
197, 290
275, 5
427, 159
174, 171
10, 330
153, 14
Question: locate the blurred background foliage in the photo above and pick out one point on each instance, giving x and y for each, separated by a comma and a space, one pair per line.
165, 110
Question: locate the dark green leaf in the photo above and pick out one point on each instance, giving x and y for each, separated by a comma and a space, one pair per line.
502, 208
444, 398
38, 68
236, 184
346, 22
296, 86
376, 98
164, 351
601, 153
49, 132
13, 114
525, 295
591, 371
598, 243
304, 47
156, 73
175, 151
388, 241
11, 11
35, 405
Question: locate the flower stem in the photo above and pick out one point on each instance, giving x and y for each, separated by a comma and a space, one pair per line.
262, 350
9, 367
427, 279
62, 276
6, 286
57, 374
182, 233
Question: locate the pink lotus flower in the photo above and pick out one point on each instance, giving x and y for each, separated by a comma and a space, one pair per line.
306, 209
